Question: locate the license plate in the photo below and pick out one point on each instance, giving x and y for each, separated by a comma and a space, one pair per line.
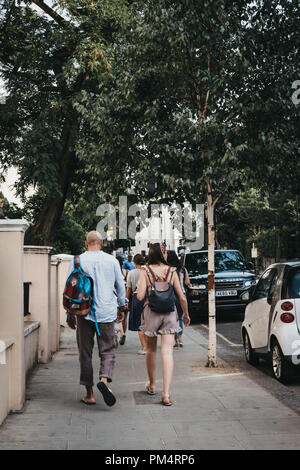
226, 293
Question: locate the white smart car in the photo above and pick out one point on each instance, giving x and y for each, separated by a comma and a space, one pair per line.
271, 327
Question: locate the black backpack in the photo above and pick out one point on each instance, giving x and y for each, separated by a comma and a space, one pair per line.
162, 295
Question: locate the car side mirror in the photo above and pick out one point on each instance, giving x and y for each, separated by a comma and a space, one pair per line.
251, 265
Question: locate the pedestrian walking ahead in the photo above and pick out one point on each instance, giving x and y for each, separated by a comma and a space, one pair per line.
184, 280
136, 306
127, 267
157, 284
105, 271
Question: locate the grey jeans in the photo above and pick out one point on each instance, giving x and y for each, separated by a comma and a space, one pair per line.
85, 334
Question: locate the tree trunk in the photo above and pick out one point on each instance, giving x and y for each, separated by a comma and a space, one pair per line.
44, 229
278, 245
212, 336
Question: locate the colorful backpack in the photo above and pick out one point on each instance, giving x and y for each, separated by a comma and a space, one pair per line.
78, 296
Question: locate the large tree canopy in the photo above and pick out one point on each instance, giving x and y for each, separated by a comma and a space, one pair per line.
193, 95
206, 86
107, 94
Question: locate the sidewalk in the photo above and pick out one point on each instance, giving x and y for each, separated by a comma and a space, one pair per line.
214, 409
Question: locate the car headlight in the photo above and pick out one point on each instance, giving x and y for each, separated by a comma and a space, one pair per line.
251, 283
197, 286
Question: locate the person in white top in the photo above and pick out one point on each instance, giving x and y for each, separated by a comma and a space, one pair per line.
173, 260
136, 306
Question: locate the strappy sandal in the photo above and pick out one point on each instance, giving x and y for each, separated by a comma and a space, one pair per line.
89, 403
166, 400
149, 391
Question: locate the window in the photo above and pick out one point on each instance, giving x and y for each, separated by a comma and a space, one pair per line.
292, 284
273, 283
26, 286
197, 263
265, 285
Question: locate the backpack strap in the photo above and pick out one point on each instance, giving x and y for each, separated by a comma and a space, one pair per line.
150, 271
168, 272
76, 261
93, 306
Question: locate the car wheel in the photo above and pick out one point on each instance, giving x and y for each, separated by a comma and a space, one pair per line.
250, 355
282, 370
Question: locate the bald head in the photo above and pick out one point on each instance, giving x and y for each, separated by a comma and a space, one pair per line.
93, 240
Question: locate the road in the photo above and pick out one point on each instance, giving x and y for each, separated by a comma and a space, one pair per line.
230, 349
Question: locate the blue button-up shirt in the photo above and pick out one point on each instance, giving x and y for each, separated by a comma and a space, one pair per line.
109, 286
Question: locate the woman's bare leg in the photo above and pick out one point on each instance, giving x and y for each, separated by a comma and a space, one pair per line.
167, 344
151, 359
143, 340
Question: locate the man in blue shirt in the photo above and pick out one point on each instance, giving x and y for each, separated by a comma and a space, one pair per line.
109, 295
128, 265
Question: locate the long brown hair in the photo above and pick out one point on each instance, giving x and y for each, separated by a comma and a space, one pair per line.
173, 260
155, 255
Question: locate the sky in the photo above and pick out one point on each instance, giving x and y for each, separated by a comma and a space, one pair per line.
12, 175
6, 188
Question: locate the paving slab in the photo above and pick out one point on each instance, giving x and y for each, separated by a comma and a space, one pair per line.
271, 426
35, 432
53, 444
223, 408
275, 442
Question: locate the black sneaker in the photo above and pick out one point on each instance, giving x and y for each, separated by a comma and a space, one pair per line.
107, 394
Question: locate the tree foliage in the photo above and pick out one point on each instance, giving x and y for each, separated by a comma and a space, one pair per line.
203, 94
50, 57
115, 94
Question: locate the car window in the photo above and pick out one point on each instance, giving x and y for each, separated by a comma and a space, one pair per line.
265, 285
293, 284
197, 263
273, 283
